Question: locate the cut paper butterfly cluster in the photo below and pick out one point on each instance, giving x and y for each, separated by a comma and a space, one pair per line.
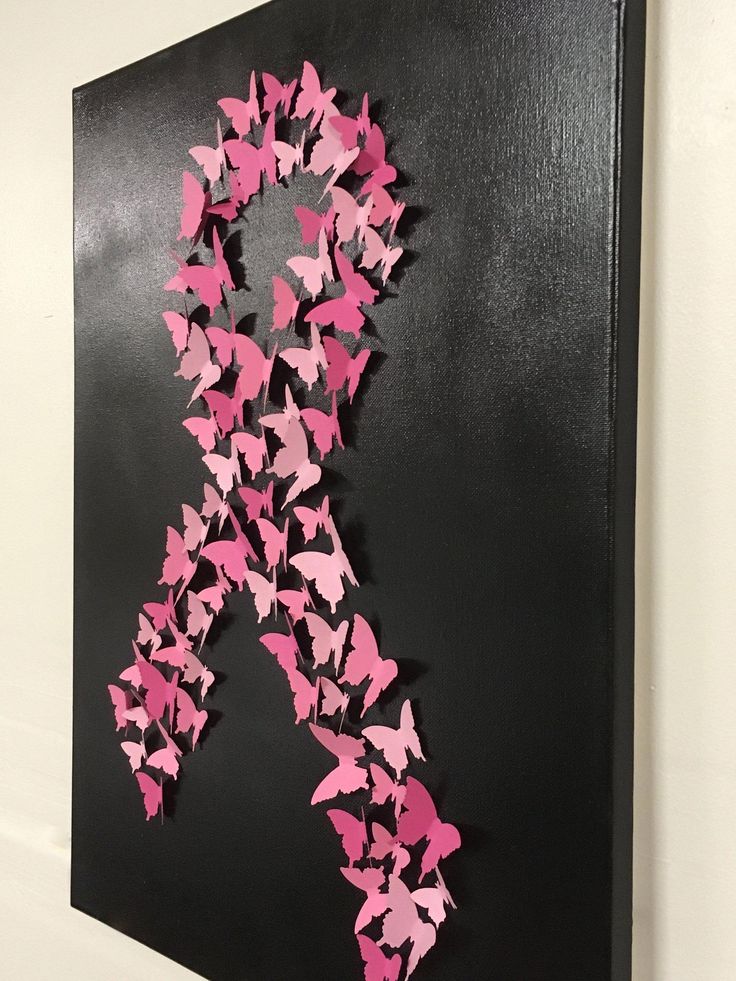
253, 529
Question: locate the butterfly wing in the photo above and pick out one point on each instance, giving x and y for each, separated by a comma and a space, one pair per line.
352, 833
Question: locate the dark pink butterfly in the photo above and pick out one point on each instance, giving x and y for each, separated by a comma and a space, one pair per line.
285, 304
194, 212
277, 94
295, 601
311, 98
376, 965
214, 595
231, 556
352, 831
371, 882
152, 794
341, 367
121, 702
160, 612
326, 570
372, 160
349, 128
243, 114
324, 428
312, 224
347, 777
178, 326
257, 502
178, 566
344, 311
274, 540
364, 661
247, 161
206, 281
227, 410
284, 648
395, 744
419, 820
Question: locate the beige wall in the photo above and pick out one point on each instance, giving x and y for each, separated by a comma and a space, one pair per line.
686, 784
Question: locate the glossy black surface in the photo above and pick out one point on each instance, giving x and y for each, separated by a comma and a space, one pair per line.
488, 491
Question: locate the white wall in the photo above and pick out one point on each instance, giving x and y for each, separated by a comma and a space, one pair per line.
686, 761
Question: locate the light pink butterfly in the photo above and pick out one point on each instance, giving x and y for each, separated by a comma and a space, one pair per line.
385, 209
136, 753
293, 460
195, 671
384, 788
364, 661
419, 820
174, 654
257, 502
326, 642
225, 470
253, 450
307, 361
178, 566
277, 94
280, 421
311, 271
329, 153
347, 777
326, 570
344, 311
334, 700
377, 251
152, 794
403, 923
342, 368
160, 612
324, 428
263, 591
121, 702
206, 281
352, 831
370, 881
274, 540
385, 845
243, 114
197, 363
396, 743
203, 430
139, 717
188, 717
167, 758
213, 505
214, 595
312, 224
377, 966
178, 326
210, 159
311, 98
195, 530
288, 156
295, 601
434, 899
146, 634
372, 160
255, 369
199, 620
286, 305
349, 128
351, 216
196, 203
312, 519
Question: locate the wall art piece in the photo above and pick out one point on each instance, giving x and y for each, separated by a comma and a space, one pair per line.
355, 412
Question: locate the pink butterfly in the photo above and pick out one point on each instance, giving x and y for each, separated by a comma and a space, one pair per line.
247, 160
206, 281
213, 505
280, 421
178, 327
353, 836
385, 844
312, 519
311, 98
347, 777
396, 743
136, 753
349, 128
203, 430
188, 717
139, 717
334, 700
385, 209
326, 570
194, 671
230, 556
419, 820
311, 271
351, 216
175, 653
293, 459
195, 530
434, 899
167, 758
364, 661
326, 642
384, 788
196, 203
372, 160
286, 305
152, 794
329, 153
274, 540
214, 596
264, 593
255, 370
344, 311
312, 224
160, 612
307, 361
197, 362
146, 634
324, 428
284, 648
160, 693
277, 94
226, 410
371, 882
121, 702
226, 470
257, 502
253, 450
288, 156
295, 601
377, 251
199, 620
210, 159
178, 566
341, 367
243, 114
403, 923
377, 966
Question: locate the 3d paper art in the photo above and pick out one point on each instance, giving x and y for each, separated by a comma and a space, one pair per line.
263, 446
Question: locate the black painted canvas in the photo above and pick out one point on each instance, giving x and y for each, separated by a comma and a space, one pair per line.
488, 492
